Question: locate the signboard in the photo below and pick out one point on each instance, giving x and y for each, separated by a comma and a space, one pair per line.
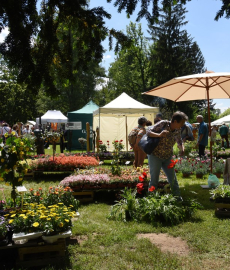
73, 125
21, 189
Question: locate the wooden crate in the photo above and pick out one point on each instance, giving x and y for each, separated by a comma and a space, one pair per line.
84, 196
41, 254
222, 210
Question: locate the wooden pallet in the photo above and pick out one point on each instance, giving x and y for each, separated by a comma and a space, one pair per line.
41, 255
84, 196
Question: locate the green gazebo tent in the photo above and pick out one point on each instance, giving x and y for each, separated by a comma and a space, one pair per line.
77, 123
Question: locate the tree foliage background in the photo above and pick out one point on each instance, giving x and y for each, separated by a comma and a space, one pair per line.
54, 55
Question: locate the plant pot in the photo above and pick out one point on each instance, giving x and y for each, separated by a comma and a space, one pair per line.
199, 175
218, 175
21, 238
186, 174
53, 238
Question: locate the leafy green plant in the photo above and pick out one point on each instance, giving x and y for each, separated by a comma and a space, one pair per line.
125, 209
222, 191
153, 208
218, 166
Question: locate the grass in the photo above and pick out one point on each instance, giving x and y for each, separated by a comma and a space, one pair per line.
106, 244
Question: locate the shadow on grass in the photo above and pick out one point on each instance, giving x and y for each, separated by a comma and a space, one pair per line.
195, 191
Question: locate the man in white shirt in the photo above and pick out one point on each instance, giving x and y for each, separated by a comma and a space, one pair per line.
26, 130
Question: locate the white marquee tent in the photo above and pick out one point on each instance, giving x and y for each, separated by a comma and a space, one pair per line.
225, 119
116, 119
53, 117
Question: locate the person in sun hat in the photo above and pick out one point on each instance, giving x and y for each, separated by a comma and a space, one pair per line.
224, 134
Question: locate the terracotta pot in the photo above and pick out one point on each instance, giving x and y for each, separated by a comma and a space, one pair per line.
199, 175
186, 174
217, 174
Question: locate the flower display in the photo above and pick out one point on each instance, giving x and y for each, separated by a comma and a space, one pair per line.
54, 195
35, 217
64, 162
103, 176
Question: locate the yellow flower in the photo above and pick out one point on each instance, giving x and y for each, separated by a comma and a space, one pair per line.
10, 221
60, 203
6, 215
25, 217
6, 134
13, 215
13, 133
1, 179
27, 149
22, 215
7, 184
20, 179
48, 218
66, 220
21, 143
2, 160
61, 224
35, 224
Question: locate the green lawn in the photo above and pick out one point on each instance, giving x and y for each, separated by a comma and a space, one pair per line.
105, 244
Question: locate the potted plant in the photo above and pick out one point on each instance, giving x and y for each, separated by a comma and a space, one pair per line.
221, 197
184, 166
218, 167
201, 168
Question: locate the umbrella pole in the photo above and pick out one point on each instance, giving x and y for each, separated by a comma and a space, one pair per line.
209, 122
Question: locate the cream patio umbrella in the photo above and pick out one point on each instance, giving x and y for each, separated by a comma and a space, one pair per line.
208, 85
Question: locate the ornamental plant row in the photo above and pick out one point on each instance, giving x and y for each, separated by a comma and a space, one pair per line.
63, 162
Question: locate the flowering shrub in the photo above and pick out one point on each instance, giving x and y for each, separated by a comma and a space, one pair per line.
63, 162
102, 146
12, 169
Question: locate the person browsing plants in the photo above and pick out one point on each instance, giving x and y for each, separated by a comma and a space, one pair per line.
168, 132
137, 133
202, 141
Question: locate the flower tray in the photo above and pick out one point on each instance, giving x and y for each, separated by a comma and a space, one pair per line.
84, 196
222, 210
53, 238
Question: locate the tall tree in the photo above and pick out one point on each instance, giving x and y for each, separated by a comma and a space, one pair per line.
129, 72
174, 54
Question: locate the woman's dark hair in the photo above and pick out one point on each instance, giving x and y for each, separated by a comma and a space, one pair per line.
142, 120
15, 127
149, 123
179, 116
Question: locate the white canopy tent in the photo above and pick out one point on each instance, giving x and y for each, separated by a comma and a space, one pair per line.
53, 117
116, 119
225, 119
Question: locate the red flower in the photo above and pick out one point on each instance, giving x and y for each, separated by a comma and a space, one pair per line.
140, 188
116, 141
152, 188
173, 163
141, 179
121, 140
144, 174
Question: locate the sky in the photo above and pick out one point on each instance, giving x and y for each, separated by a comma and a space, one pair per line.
213, 37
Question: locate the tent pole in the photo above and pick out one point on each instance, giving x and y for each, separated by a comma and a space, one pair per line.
209, 122
126, 132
